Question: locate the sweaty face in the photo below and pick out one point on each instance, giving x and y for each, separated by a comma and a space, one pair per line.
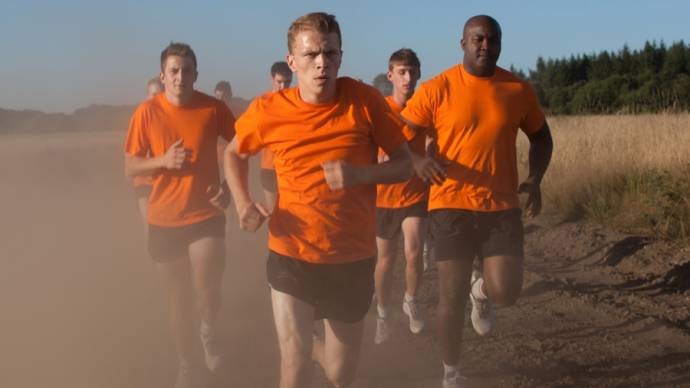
178, 76
481, 43
315, 58
404, 78
280, 82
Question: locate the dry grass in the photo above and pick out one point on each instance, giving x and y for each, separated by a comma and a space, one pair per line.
629, 171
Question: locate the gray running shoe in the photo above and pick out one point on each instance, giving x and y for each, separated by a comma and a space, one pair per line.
414, 312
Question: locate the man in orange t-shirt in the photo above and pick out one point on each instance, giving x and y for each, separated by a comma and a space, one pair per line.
172, 137
324, 134
281, 78
476, 109
401, 207
142, 184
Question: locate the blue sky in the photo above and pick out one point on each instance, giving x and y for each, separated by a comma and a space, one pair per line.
61, 55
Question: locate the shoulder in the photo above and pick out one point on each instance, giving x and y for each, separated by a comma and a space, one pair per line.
505, 76
350, 86
443, 79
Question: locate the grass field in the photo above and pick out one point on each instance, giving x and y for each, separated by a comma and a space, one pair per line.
631, 172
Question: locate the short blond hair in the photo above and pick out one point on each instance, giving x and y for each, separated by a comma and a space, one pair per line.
315, 21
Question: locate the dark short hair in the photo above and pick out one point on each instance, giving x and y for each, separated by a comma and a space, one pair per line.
315, 21
177, 49
281, 68
405, 57
224, 86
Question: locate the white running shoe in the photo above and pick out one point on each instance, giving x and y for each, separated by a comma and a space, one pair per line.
382, 331
413, 311
483, 313
213, 349
453, 380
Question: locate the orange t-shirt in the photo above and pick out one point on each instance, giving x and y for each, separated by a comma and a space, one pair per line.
267, 159
311, 222
476, 122
408, 193
178, 197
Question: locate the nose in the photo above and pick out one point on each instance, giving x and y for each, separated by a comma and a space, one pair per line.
321, 60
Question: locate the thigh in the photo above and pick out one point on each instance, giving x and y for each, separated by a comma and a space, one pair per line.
294, 324
503, 277
502, 234
343, 342
414, 232
454, 280
207, 258
175, 276
387, 248
388, 221
167, 244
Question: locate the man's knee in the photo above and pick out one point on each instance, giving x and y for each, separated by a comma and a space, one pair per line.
341, 376
504, 294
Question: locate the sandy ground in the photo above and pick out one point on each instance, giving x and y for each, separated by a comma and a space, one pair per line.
82, 305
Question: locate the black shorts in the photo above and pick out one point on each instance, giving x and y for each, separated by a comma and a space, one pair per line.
463, 235
269, 180
170, 243
389, 220
142, 191
341, 292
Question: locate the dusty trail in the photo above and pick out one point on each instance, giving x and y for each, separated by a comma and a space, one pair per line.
82, 307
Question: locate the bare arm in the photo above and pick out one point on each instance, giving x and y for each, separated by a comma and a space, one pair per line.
173, 159
251, 214
540, 150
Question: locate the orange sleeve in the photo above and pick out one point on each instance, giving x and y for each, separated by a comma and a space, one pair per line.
137, 141
226, 122
420, 108
248, 131
388, 128
534, 118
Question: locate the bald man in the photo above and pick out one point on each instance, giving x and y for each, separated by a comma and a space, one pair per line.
476, 109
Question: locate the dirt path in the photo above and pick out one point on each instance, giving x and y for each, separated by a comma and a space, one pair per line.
82, 307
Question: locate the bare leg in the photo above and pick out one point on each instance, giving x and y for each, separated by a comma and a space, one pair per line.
503, 279
294, 322
414, 232
387, 250
207, 257
454, 288
176, 279
340, 351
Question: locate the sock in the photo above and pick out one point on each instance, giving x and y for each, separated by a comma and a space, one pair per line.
449, 370
206, 329
477, 291
382, 311
409, 298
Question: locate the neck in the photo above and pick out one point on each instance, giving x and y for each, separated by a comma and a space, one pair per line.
400, 98
178, 100
327, 95
483, 73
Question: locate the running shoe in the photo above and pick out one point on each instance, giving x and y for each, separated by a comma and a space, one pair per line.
414, 312
483, 313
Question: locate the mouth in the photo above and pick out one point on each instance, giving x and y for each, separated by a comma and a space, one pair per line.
321, 79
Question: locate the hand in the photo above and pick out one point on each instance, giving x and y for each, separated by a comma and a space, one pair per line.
533, 204
428, 169
339, 174
175, 156
218, 196
251, 216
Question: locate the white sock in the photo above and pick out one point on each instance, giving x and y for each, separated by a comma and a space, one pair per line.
409, 298
477, 291
382, 311
449, 369
206, 329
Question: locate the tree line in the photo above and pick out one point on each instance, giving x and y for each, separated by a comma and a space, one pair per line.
655, 78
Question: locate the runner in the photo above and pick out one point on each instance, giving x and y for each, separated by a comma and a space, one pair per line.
281, 78
324, 134
173, 137
400, 208
223, 92
142, 184
476, 109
